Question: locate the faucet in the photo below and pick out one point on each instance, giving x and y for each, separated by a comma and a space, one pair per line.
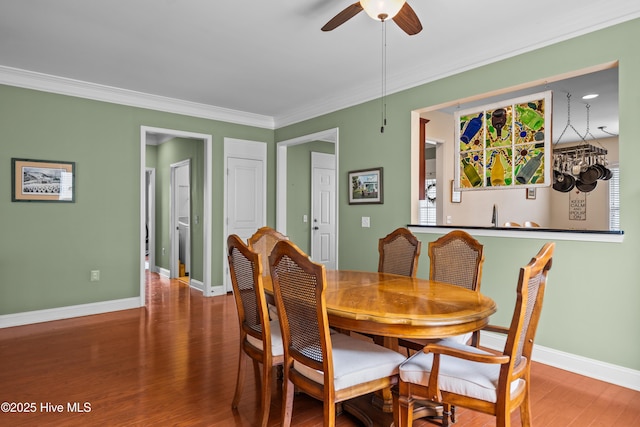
494, 216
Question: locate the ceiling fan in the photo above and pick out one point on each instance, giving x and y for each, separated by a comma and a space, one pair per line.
398, 10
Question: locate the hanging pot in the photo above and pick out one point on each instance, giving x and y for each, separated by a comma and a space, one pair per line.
565, 183
607, 174
590, 175
584, 187
601, 170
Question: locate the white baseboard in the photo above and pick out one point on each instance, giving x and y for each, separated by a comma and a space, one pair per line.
196, 284
38, 316
163, 272
602, 371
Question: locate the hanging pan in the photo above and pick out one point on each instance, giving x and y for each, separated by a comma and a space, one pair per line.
564, 183
607, 174
590, 175
584, 187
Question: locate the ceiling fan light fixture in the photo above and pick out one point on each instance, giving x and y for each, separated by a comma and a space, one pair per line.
381, 10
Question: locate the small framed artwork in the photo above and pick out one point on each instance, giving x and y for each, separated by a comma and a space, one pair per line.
456, 196
531, 193
365, 186
42, 181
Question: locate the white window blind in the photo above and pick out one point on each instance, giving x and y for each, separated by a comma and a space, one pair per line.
427, 207
614, 199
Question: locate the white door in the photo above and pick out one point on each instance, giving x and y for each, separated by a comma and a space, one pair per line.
245, 190
245, 200
180, 213
323, 209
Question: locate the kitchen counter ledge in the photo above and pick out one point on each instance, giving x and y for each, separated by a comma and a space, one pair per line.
525, 233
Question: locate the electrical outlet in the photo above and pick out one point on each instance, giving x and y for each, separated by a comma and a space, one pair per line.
95, 275
366, 222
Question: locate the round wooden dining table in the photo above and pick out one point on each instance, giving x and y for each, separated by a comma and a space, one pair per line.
396, 306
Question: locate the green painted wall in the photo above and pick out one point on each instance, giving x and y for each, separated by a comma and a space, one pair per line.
594, 290
48, 249
299, 190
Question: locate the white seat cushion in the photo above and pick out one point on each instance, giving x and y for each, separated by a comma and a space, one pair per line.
462, 339
277, 348
474, 379
355, 361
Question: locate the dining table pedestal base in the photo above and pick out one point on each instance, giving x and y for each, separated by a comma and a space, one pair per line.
369, 411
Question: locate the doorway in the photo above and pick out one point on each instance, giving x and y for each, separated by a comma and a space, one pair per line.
329, 135
151, 136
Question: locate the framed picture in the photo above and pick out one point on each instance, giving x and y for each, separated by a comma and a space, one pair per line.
456, 195
531, 193
42, 181
365, 186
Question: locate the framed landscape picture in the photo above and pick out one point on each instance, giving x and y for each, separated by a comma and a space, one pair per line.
365, 186
42, 181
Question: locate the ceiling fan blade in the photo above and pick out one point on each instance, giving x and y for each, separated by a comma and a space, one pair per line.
342, 17
407, 20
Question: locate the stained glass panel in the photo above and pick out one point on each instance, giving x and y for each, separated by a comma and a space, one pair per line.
505, 144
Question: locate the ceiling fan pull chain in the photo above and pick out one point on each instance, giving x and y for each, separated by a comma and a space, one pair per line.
383, 97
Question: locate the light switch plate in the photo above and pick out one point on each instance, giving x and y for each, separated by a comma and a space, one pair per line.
366, 222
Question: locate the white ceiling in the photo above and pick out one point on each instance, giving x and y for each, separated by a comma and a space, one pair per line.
269, 58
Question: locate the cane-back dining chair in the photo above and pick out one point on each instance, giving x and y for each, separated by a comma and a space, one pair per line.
262, 242
461, 375
260, 338
457, 258
454, 258
399, 252
329, 367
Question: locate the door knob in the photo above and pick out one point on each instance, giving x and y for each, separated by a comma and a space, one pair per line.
316, 228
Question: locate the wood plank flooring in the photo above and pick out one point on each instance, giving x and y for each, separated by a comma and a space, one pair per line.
174, 363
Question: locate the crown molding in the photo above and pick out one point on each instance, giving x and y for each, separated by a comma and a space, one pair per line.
64, 86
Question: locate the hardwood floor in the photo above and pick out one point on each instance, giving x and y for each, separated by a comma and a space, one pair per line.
174, 363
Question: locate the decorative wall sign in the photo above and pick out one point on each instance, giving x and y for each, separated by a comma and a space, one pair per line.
365, 186
42, 181
578, 206
505, 145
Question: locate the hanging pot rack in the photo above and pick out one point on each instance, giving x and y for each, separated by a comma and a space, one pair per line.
579, 166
